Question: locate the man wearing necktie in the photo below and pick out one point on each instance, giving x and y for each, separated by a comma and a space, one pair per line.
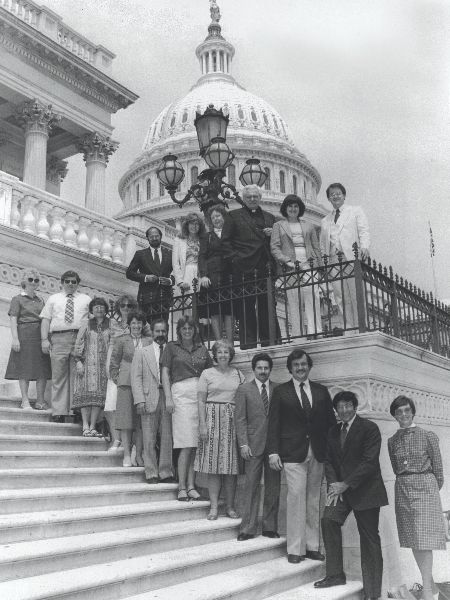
300, 415
251, 419
150, 403
340, 229
352, 470
152, 269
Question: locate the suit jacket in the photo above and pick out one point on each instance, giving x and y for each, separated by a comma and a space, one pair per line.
290, 432
357, 464
250, 417
145, 378
210, 256
121, 358
143, 264
245, 245
282, 245
353, 227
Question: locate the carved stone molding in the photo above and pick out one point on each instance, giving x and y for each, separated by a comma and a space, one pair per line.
56, 169
96, 146
36, 117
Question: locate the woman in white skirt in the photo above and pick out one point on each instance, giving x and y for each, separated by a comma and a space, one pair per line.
183, 362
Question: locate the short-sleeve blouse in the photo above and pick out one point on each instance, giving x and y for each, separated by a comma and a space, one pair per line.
26, 308
220, 387
182, 363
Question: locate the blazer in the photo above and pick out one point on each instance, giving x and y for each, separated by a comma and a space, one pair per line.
250, 417
210, 256
357, 464
282, 245
143, 264
353, 227
245, 246
121, 358
179, 259
290, 432
145, 378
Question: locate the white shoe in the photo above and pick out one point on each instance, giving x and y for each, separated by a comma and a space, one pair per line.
115, 446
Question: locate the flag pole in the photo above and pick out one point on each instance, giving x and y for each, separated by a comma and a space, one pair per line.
432, 253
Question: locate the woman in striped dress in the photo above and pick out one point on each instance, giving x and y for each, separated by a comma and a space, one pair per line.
417, 463
217, 453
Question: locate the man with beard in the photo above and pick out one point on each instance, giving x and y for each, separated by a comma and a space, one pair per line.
152, 268
150, 403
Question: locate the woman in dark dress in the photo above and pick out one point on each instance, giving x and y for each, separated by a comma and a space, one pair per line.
417, 463
27, 361
211, 274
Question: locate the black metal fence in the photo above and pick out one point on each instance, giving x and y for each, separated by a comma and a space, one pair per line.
320, 301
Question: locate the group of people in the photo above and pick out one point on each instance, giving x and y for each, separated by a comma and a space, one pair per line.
236, 248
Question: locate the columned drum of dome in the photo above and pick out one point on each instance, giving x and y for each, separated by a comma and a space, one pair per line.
255, 129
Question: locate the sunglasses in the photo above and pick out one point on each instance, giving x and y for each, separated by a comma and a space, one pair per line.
31, 280
126, 306
70, 281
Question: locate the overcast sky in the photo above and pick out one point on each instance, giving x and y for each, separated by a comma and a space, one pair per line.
363, 86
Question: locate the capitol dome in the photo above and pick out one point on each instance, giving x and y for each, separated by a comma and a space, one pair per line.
255, 130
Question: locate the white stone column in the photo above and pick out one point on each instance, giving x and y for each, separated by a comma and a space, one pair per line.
37, 121
96, 150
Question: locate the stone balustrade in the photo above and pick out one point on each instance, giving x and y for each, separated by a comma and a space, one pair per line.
48, 217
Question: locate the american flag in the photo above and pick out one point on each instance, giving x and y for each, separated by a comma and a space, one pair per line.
432, 249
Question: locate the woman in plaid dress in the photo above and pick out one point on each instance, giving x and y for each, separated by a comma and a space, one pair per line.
416, 461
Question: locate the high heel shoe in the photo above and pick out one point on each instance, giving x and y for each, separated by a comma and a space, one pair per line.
232, 514
193, 494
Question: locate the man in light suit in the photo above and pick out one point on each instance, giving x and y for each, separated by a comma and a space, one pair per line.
150, 404
344, 226
300, 415
251, 418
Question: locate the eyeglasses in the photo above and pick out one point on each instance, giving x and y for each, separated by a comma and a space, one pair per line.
338, 195
126, 306
70, 281
31, 280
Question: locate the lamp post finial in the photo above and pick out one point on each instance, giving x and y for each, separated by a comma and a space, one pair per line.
214, 11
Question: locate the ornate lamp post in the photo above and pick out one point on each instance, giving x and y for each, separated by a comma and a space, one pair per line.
211, 127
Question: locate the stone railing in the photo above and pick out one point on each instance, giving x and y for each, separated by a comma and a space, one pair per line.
48, 217
51, 25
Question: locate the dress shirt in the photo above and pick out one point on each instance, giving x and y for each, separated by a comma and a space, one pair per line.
55, 309
137, 341
307, 389
349, 424
259, 384
157, 251
158, 355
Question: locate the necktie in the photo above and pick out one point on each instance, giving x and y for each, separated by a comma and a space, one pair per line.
161, 350
343, 433
336, 216
156, 258
265, 398
305, 400
68, 312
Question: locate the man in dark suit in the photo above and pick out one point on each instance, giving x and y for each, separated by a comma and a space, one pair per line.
300, 415
251, 419
246, 252
352, 469
152, 268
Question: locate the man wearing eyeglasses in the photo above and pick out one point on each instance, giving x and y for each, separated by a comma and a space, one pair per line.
152, 269
62, 317
344, 226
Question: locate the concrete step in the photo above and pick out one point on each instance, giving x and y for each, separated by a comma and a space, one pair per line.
252, 582
10, 401
52, 442
49, 556
24, 414
119, 579
352, 591
12, 479
19, 459
9, 426
19, 527
37, 500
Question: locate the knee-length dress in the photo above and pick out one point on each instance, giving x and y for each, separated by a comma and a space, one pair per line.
92, 348
219, 454
417, 463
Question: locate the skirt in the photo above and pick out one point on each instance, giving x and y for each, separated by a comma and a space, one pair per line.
111, 396
219, 454
185, 416
418, 510
126, 416
30, 363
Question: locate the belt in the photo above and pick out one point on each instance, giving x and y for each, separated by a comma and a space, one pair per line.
64, 331
160, 387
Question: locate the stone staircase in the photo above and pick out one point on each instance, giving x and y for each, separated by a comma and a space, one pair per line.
76, 525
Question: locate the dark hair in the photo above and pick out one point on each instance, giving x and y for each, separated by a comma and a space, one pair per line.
187, 320
336, 185
262, 356
121, 299
156, 321
138, 315
98, 301
345, 396
220, 208
223, 344
292, 199
402, 401
153, 227
70, 274
190, 218
295, 355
